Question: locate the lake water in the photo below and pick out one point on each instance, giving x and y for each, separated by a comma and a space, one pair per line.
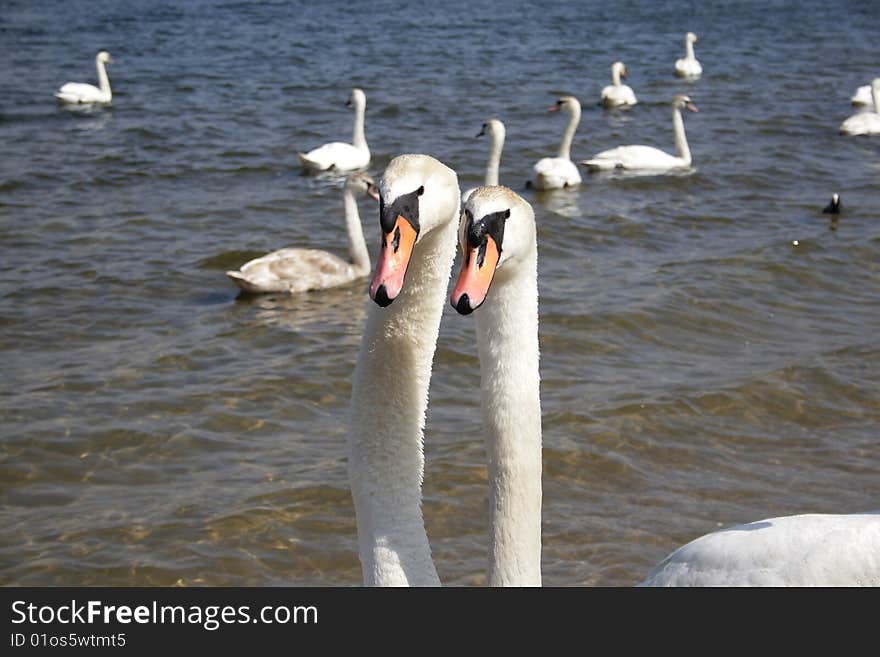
699, 368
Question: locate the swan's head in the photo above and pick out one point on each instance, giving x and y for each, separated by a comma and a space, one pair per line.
493, 128
619, 68
682, 101
104, 57
496, 232
568, 103
690, 37
362, 183
417, 195
357, 99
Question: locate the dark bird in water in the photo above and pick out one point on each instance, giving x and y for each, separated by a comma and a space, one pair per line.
834, 206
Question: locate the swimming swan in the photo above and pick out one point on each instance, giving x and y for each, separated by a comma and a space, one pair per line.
865, 123
79, 92
299, 270
688, 66
338, 155
495, 129
558, 172
648, 157
617, 94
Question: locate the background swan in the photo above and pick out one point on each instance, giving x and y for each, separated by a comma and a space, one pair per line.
419, 206
688, 66
558, 172
617, 94
803, 550
496, 131
865, 123
497, 237
299, 270
648, 157
339, 155
80, 92
862, 96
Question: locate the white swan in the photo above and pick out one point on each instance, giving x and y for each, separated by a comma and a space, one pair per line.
802, 550
688, 66
617, 94
338, 155
79, 92
497, 237
299, 270
862, 96
495, 129
419, 206
865, 123
558, 172
648, 157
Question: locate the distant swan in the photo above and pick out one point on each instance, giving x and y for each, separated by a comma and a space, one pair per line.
865, 123
648, 157
299, 270
495, 129
79, 92
688, 66
617, 94
338, 155
802, 550
558, 172
862, 96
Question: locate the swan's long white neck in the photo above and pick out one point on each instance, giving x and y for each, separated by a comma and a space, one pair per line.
689, 49
103, 80
357, 246
615, 76
494, 157
507, 340
359, 138
681, 144
389, 399
565, 145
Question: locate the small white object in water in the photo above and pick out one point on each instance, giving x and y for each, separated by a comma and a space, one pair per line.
795, 243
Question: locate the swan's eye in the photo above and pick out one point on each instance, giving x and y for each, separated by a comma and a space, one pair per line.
558, 103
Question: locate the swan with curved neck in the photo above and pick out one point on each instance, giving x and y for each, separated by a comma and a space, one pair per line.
419, 206
81, 93
498, 240
688, 66
617, 94
865, 123
558, 172
338, 155
648, 157
495, 129
300, 270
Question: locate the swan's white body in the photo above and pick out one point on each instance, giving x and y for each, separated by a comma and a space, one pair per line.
81, 93
865, 123
648, 157
617, 94
496, 131
558, 172
804, 550
341, 156
688, 66
300, 270
393, 372
862, 96
507, 342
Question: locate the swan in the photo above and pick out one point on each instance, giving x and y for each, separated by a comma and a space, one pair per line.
498, 241
648, 157
299, 270
339, 155
418, 212
79, 92
688, 66
802, 550
495, 129
560, 171
865, 123
617, 94
862, 96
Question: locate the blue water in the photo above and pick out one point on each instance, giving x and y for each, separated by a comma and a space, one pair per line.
699, 368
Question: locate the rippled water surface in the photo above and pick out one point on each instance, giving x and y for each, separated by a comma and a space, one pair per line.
699, 368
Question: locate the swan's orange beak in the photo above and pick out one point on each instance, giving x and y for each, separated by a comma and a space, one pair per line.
691, 107
394, 256
477, 269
